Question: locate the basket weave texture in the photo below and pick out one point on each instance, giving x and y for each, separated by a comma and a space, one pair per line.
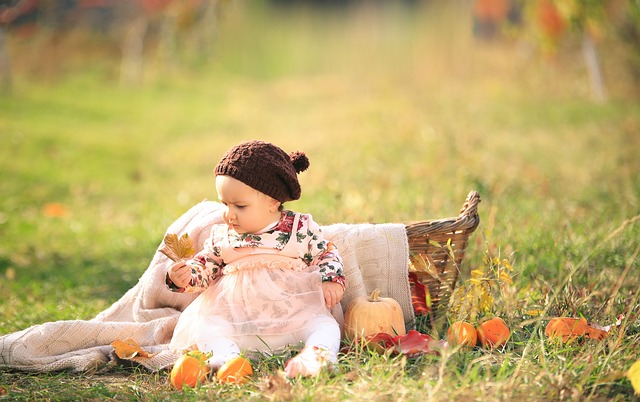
436, 250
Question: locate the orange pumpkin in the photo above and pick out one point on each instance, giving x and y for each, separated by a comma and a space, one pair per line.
370, 315
190, 369
493, 332
235, 371
463, 334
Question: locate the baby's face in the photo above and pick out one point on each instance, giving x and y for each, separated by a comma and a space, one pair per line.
246, 210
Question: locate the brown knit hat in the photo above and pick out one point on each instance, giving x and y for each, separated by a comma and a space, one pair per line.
266, 168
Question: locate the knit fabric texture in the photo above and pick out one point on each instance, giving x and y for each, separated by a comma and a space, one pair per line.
266, 168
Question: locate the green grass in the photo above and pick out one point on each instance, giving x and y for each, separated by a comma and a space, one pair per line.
401, 115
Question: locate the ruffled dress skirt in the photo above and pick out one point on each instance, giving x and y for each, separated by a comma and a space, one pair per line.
262, 302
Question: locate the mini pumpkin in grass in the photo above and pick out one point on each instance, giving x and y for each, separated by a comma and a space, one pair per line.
461, 333
235, 371
190, 369
370, 315
493, 332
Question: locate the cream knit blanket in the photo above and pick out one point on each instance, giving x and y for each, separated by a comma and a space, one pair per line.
375, 256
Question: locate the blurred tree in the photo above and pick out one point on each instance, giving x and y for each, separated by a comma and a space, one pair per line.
590, 21
10, 12
135, 27
489, 16
5, 63
174, 20
550, 23
629, 32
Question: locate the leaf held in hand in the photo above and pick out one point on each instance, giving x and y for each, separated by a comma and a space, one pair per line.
129, 349
177, 248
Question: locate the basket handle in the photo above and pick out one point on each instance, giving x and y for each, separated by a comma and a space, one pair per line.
470, 206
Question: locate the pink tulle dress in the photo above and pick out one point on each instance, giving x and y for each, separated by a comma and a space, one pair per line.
265, 299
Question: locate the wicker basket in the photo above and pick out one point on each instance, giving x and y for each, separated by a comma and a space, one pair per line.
436, 251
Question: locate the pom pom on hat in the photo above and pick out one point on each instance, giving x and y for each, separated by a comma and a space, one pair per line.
300, 161
266, 168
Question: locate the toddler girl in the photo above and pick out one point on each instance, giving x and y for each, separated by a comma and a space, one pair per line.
267, 276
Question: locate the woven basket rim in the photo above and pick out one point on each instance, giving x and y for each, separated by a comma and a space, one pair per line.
467, 220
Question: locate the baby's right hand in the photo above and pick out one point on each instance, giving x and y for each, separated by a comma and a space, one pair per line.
180, 274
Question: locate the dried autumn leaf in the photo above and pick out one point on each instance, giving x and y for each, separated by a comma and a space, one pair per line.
596, 333
419, 295
54, 210
381, 338
129, 349
411, 344
566, 328
569, 328
634, 376
351, 376
599, 332
177, 248
276, 386
414, 343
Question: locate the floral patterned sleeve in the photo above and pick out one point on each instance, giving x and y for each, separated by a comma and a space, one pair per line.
206, 268
322, 253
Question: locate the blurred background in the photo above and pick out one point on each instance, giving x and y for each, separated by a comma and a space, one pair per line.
592, 42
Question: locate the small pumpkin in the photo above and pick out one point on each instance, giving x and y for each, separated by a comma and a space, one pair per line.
190, 369
493, 333
461, 333
235, 371
370, 315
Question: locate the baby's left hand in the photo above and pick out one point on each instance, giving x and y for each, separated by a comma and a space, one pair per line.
332, 293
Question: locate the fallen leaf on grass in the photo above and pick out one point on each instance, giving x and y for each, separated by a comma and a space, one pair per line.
412, 344
351, 376
177, 248
10, 274
634, 376
276, 386
569, 328
566, 328
54, 210
129, 349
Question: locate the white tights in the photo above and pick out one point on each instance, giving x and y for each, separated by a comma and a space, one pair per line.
322, 332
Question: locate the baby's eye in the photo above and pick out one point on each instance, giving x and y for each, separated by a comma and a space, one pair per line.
240, 206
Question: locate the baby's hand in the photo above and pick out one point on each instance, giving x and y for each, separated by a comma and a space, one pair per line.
332, 292
180, 274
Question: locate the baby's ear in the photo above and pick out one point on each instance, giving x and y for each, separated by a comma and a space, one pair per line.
275, 205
